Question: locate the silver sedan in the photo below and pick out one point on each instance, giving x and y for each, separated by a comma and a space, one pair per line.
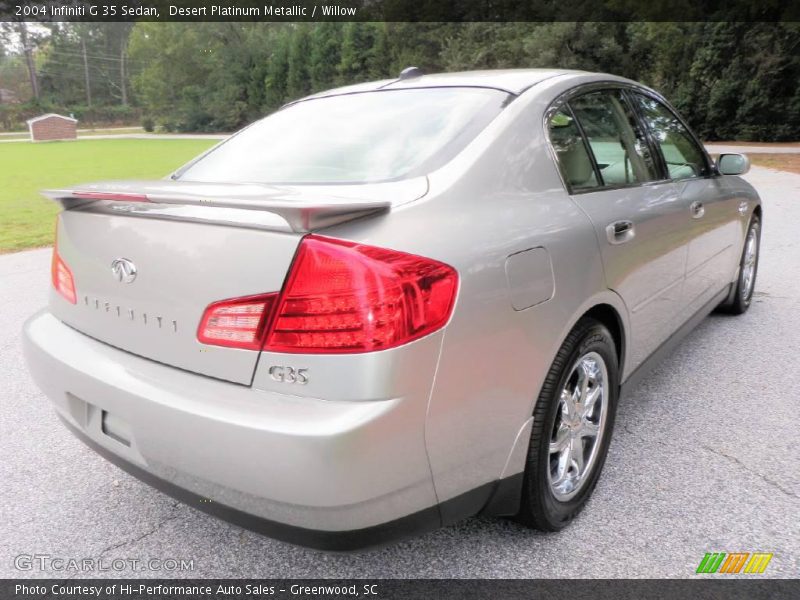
394, 305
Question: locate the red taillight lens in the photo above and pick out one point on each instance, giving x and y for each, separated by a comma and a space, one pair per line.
62, 277
342, 297
237, 323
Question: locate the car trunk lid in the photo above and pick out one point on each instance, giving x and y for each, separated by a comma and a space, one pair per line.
191, 245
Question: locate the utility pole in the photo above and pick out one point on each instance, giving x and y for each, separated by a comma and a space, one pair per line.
28, 49
86, 74
88, 84
122, 74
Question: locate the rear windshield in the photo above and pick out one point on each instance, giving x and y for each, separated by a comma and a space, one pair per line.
354, 138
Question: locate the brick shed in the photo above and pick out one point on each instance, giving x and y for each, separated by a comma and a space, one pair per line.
53, 127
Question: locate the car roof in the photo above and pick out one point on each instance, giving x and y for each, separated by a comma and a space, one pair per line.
513, 81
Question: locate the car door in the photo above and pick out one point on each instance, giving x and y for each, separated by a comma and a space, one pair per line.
713, 249
640, 222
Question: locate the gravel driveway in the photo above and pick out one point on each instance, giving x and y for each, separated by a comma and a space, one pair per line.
704, 458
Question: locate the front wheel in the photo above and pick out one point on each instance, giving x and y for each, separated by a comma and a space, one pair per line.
748, 268
572, 426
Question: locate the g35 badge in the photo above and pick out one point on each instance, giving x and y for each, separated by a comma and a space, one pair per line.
289, 375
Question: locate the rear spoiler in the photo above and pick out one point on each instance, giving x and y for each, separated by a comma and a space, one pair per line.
304, 208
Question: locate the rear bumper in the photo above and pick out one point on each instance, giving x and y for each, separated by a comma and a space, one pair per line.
426, 519
334, 475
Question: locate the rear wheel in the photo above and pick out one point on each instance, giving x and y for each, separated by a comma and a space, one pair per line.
742, 295
572, 426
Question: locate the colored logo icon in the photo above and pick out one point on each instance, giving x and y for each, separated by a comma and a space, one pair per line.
734, 562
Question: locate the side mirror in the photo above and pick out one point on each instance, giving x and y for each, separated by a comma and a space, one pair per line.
733, 164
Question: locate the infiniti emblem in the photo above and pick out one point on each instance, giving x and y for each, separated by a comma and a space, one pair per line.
124, 270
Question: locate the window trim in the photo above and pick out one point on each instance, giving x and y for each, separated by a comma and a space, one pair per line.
655, 149
709, 170
598, 176
624, 87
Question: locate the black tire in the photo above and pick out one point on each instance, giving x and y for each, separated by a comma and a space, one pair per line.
742, 295
540, 507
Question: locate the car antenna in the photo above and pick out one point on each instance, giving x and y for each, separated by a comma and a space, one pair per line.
410, 73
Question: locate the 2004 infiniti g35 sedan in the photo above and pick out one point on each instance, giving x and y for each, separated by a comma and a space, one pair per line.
394, 305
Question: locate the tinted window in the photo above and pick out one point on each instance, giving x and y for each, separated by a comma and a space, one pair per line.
363, 137
619, 146
573, 158
682, 154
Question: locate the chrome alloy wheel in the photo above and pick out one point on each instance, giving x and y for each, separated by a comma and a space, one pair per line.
749, 262
579, 426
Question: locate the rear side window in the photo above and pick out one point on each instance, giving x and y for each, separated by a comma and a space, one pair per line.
353, 138
573, 158
619, 147
682, 154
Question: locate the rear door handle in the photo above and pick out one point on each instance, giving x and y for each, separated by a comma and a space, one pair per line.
697, 209
620, 232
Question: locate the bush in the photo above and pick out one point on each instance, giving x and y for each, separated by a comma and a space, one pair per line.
13, 116
148, 124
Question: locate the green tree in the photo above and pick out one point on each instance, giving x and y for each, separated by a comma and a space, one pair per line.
179, 59
730, 79
298, 78
75, 53
418, 44
275, 82
326, 43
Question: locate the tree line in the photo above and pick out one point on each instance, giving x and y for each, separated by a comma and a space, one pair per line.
732, 80
76, 68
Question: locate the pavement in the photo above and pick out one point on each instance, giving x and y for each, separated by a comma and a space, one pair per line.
754, 148
704, 458
137, 136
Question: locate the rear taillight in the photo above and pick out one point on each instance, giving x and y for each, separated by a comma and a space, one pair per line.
237, 323
62, 278
341, 297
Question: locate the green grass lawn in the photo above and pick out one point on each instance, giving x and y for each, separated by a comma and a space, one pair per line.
27, 219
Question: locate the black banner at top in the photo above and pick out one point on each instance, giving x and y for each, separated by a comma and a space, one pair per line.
400, 10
